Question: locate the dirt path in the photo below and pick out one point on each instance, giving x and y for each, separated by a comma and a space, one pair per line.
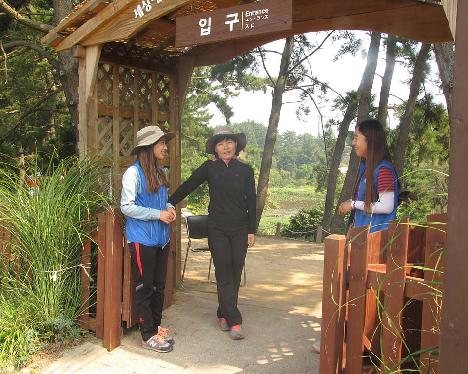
281, 306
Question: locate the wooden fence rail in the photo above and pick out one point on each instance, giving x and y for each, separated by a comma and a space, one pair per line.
382, 299
106, 279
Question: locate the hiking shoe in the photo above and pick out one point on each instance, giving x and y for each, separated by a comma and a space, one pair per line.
167, 334
223, 325
236, 332
157, 343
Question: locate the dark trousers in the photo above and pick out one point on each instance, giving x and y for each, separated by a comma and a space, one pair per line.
228, 245
149, 268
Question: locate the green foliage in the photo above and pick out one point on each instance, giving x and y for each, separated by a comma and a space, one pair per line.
304, 224
426, 164
33, 111
40, 286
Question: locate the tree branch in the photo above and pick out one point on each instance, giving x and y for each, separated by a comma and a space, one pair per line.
311, 53
264, 66
321, 122
51, 92
42, 27
34, 47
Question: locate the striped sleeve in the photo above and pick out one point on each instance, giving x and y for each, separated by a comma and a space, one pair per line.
385, 181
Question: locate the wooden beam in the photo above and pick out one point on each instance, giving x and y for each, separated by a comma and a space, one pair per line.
417, 21
454, 335
82, 109
70, 20
125, 25
185, 65
93, 53
94, 23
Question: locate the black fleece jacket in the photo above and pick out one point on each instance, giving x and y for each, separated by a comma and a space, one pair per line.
232, 192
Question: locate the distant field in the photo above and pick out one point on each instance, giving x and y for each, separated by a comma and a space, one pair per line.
284, 202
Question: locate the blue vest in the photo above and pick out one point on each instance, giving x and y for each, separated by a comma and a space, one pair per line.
376, 222
153, 233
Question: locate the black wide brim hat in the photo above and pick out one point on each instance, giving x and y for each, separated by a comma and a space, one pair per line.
224, 133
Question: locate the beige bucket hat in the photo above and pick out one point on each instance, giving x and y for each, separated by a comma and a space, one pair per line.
223, 132
149, 135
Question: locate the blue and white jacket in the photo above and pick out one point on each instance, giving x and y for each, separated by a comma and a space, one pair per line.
142, 209
376, 222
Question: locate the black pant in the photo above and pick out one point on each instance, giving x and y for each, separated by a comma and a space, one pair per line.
228, 246
149, 268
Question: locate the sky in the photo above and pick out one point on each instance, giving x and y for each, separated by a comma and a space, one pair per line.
343, 75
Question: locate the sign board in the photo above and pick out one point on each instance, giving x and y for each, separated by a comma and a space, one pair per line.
242, 21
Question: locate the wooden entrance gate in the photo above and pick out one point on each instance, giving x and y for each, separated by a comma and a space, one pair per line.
382, 299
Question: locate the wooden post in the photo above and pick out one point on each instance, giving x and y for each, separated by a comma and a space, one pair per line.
430, 329
333, 304
394, 293
179, 85
101, 274
113, 281
375, 243
357, 277
319, 234
88, 59
278, 229
85, 281
454, 335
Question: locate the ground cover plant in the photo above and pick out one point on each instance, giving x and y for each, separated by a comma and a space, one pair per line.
41, 262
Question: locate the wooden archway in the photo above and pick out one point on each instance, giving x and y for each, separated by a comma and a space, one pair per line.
104, 32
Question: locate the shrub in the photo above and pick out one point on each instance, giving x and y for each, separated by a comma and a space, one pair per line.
40, 286
304, 224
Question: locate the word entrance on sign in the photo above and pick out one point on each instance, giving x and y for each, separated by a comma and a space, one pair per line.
234, 23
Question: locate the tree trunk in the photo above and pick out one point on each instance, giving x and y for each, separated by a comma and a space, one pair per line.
69, 65
272, 131
445, 57
365, 98
387, 79
332, 178
405, 122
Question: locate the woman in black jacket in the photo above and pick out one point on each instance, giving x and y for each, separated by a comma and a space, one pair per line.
231, 219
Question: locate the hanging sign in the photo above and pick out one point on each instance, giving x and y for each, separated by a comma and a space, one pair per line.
242, 21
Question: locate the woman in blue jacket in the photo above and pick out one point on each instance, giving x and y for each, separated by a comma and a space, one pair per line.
148, 215
375, 197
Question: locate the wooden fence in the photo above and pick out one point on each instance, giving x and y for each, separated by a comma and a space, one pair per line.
106, 280
382, 299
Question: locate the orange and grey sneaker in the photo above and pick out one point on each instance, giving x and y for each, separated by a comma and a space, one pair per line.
157, 343
223, 325
167, 334
236, 332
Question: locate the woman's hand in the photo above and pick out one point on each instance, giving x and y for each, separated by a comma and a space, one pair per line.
172, 211
250, 240
345, 207
166, 216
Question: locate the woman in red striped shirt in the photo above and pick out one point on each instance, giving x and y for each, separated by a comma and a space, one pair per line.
375, 197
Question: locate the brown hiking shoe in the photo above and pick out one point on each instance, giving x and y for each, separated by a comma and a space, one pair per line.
157, 343
223, 325
236, 332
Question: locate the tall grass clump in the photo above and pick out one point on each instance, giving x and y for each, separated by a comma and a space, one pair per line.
40, 277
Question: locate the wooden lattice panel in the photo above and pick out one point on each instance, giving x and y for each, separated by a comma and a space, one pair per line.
163, 93
145, 89
105, 84
104, 136
126, 86
126, 137
128, 99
